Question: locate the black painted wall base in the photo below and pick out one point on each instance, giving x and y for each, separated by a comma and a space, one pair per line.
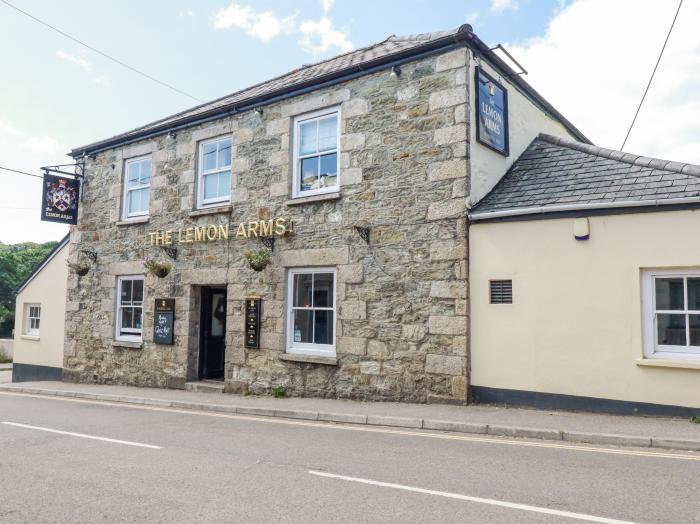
31, 372
554, 401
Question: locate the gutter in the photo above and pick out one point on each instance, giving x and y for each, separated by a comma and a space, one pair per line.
541, 210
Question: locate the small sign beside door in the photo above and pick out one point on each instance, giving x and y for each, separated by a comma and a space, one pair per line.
252, 322
163, 321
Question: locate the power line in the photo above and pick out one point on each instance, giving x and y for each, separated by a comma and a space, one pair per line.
652, 75
101, 53
20, 172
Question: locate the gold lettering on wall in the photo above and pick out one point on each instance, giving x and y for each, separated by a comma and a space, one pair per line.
211, 233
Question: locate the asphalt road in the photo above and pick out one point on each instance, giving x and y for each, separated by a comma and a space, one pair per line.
165, 465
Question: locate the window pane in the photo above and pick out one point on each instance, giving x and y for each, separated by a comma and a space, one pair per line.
137, 291
224, 189
323, 290
145, 177
307, 138
303, 327
329, 170
126, 291
211, 186
302, 290
323, 327
127, 317
309, 174
218, 317
209, 156
138, 200
133, 173
669, 294
137, 317
328, 133
224, 153
694, 294
695, 330
671, 329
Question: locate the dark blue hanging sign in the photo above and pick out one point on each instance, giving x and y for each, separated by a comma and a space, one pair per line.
492, 113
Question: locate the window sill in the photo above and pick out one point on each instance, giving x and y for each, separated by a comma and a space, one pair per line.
214, 210
132, 221
669, 363
30, 337
309, 359
323, 197
126, 344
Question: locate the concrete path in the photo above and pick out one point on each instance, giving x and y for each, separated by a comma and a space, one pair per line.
670, 433
5, 373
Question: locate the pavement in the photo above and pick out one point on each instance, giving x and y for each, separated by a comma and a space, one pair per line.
80, 460
5, 373
656, 432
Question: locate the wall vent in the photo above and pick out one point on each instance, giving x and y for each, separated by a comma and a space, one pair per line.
501, 291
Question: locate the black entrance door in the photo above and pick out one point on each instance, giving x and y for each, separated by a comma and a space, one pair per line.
212, 340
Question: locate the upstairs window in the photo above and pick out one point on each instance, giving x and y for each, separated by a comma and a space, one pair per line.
672, 314
129, 308
214, 182
33, 319
316, 154
137, 187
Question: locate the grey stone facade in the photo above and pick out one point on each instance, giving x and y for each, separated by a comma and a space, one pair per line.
401, 300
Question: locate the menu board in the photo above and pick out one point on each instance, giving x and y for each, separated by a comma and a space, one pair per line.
252, 322
163, 321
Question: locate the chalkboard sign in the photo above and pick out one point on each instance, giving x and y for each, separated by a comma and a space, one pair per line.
164, 320
252, 322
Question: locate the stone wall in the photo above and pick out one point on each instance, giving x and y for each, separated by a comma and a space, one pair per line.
402, 300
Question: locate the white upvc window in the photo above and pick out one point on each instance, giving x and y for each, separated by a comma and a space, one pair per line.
32, 319
311, 311
316, 153
671, 312
137, 187
129, 319
214, 178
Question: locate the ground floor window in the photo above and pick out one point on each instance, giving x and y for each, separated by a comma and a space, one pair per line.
129, 308
33, 319
311, 311
672, 313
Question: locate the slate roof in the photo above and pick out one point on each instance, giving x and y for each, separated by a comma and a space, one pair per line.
559, 172
359, 61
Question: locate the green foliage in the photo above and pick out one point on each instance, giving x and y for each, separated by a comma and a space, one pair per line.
695, 419
17, 261
279, 391
258, 259
158, 269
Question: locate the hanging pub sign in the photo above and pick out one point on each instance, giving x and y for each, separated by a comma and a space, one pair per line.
492, 113
163, 321
59, 199
252, 322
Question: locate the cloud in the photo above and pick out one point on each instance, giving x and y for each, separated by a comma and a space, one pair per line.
102, 80
315, 36
42, 145
80, 62
8, 129
186, 13
504, 5
597, 81
320, 36
264, 25
472, 18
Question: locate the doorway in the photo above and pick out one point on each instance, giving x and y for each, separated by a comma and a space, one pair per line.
212, 336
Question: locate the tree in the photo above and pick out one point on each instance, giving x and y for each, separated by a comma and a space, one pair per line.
17, 261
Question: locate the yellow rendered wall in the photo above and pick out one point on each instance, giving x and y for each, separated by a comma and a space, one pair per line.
575, 325
48, 288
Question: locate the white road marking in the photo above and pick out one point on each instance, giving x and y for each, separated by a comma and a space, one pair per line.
492, 502
82, 435
690, 455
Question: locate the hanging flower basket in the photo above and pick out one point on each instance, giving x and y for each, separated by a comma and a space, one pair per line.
157, 269
258, 259
79, 269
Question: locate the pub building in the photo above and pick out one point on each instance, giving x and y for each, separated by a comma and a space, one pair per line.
308, 233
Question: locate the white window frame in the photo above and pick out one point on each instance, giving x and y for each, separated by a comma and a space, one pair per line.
301, 348
298, 121
28, 317
137, 335
126, 214
212, 202
652, 349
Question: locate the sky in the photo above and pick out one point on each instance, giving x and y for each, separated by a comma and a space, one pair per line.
590, 58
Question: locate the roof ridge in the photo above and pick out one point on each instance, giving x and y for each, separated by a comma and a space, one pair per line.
629, 158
